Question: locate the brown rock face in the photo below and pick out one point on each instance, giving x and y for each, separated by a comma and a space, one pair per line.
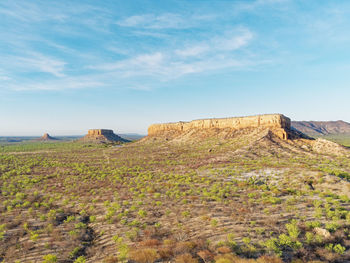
277, 123
102, 135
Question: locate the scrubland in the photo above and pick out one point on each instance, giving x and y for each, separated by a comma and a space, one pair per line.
211, 200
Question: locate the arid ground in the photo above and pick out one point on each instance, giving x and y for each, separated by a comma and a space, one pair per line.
246, 198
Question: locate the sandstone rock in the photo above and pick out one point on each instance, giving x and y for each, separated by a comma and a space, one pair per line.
322, 232
277, 123
102, 136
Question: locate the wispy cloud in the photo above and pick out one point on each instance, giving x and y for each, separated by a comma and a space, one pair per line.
249, 6
44, 64
330, 27
30, 12
144, 71
80, 82
4, 77
35, 62
193, 50
229, 42
215, 53
154, 22
95, 46
163, 21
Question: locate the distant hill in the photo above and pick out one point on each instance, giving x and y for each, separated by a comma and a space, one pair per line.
46, 137
337, 131
321, 128
132, 136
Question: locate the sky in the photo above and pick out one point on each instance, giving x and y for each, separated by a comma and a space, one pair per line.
68, 66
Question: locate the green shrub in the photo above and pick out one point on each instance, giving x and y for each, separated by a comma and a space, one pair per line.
49, 258
338, 248
80, 259
332, 227
313, 224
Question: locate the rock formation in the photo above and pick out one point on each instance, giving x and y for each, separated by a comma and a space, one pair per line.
278, 124
46, 137
102, 136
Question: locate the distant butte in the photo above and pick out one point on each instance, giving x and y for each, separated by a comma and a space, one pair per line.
46, 137
102, 136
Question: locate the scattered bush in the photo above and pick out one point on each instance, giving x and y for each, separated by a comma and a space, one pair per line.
146, 255
185, 258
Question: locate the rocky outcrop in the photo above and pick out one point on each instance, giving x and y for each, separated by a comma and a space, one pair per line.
46, 137
102, 136
278, 124
327, 147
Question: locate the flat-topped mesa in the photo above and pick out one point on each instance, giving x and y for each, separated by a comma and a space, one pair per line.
97, 132
102, 135
277, 123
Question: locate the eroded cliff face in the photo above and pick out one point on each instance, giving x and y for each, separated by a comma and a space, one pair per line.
277, 123
97, 132
102, 135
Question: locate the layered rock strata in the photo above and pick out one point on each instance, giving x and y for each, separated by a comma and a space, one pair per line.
102, 135
278, 124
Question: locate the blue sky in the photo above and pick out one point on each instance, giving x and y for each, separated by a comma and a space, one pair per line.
68, 66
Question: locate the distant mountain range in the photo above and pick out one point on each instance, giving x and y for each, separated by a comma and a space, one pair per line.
132, 136
322, 128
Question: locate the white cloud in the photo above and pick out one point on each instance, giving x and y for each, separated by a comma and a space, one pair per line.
174, 56
36, 62
151, 60
233, 42
60, 84
143, 61
216, 53
42, 63
155, 34
4, 78
153, 22
163, 21
250, 6
229, 42
33, 62
192, 51
29, 12
330, 27
140, 87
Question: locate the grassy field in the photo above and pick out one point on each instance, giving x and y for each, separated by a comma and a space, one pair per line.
343, 139
208, 201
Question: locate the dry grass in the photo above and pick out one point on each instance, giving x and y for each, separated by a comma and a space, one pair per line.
185, 258
227, 200
145, 255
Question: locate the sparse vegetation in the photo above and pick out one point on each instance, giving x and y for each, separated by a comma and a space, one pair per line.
178, 202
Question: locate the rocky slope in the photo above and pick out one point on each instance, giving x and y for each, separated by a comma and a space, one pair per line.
267, 134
